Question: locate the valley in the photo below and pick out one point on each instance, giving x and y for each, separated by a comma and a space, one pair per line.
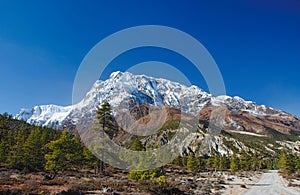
219, 145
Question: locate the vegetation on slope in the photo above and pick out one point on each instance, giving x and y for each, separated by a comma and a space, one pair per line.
32, 148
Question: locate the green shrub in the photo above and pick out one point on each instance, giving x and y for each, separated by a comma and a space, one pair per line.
145, 175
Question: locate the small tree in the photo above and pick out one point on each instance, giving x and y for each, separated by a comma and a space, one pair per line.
224, 163
145, 175
137, 145
285, 163
89, 159
65, 153
234, 163
210, 162
245, 161
192, 163
216, 162
201, 162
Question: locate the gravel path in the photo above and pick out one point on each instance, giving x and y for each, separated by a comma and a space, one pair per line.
271, 183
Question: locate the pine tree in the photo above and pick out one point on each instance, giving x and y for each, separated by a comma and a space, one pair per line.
192, 163
22, 145
137, 145
184, 160
4, 149
201, 162
106, 120
255, 164
16, 156
33, 151
210, 162
285, 163
224, 163
245, 161
234, 163
89, 159
177, 161
215, 162
65, 153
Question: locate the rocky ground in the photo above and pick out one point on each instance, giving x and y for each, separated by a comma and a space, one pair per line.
180, 181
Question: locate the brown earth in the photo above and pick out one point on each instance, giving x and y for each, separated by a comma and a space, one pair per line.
180, 181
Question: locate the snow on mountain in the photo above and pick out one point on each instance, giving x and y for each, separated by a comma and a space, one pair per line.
45, 115
239, 103
121, 89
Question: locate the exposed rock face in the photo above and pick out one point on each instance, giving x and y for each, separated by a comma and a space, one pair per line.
201, 142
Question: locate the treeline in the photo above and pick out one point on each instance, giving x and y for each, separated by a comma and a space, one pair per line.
289, 163
236, 162
33, 148
242, 161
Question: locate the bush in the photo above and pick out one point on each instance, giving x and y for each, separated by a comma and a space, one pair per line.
145, 175
162, 180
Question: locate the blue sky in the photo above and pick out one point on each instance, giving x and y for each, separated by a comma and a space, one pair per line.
256, 45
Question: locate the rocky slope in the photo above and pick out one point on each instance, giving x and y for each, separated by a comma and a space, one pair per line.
229, 140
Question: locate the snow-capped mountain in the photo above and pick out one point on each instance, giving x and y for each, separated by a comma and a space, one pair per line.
45, 115
122, 90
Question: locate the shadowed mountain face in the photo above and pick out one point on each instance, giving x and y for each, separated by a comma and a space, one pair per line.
139, 101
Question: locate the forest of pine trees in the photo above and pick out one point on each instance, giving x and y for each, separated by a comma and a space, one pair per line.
33, 148
287, 163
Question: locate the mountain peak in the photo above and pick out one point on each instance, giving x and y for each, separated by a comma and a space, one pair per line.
115, 74
123, 90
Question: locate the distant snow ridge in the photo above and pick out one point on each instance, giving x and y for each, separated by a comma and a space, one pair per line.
123, 88
45, 115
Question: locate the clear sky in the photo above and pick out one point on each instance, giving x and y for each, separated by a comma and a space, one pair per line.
256, 44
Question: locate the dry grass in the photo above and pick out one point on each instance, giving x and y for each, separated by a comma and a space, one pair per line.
179, 181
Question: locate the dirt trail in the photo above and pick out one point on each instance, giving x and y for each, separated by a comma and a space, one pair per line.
271, 183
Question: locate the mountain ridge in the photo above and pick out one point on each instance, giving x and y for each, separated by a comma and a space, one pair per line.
122, 90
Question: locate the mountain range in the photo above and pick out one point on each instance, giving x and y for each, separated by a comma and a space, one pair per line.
140, 93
